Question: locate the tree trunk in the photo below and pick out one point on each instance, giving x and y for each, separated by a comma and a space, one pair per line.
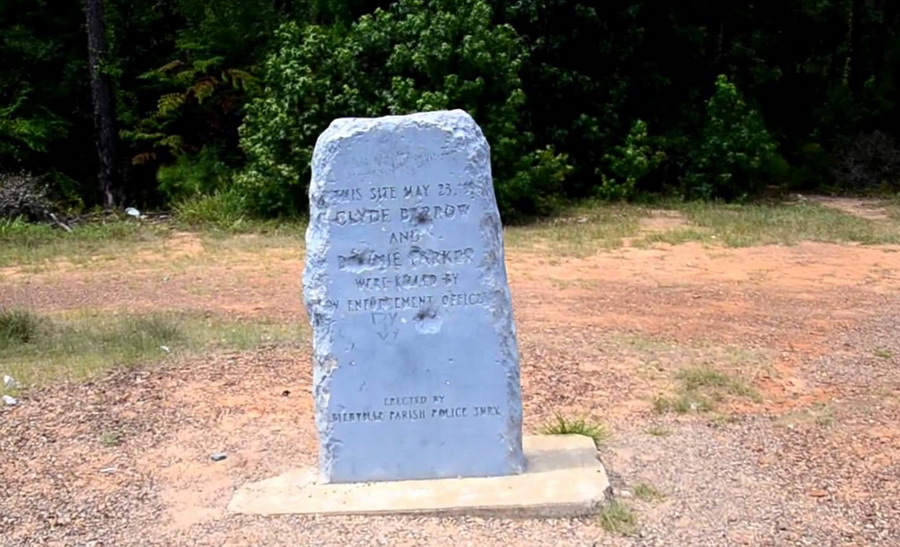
852, 73
857, 69
885, 37
104, 109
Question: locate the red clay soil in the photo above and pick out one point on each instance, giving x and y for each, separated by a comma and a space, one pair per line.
815, 459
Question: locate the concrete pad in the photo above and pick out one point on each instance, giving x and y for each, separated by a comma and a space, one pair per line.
563, 478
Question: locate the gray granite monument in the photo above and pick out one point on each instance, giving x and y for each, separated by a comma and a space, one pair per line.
416, 372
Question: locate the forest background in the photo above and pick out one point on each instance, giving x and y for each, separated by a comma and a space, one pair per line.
212, 108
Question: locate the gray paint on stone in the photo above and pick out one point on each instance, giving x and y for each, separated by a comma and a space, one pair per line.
416, 371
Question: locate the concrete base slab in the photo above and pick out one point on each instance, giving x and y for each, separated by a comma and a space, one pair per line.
563, 478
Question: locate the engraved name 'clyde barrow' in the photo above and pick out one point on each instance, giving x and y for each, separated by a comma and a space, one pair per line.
416, 367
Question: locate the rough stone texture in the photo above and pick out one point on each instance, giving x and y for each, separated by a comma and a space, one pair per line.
416, 365
564, 479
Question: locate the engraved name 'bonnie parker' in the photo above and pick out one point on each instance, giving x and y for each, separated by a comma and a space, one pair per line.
416, 363
359, 260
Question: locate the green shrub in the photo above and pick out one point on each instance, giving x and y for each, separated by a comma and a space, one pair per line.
629, 163
735, 151
419, 55
26, 129
199, 174
219, 208
535, 188
310, 79
813, 167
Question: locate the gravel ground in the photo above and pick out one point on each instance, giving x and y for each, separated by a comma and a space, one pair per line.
124, 460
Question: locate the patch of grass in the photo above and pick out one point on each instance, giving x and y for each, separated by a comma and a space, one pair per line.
783, 223
820, 414
700, 389
618, 518
824, 417
24, 243
222, 209
579, 231
696, 379
111, 439
724, 419
659, 431
880, 352
143, 330
260, 238
18, 327
79, 346
647, 492
677, 236
683, 403
219, 217
892, 208
641, 342
560, 425
592, 227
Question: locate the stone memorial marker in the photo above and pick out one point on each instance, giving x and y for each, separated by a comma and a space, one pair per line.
416, 371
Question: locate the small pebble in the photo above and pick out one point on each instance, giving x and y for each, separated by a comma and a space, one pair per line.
218, 456
9, 382
165, 348
9, 400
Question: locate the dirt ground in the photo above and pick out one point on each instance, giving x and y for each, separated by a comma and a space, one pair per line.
813, 460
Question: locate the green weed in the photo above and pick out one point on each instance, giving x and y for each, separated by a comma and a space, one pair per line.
618, 518
647, 492
701, 389
578, 426
883, 353
111, 438
659, 431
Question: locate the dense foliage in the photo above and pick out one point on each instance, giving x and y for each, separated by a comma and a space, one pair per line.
218, 104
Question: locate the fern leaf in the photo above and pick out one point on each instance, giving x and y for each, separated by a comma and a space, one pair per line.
173, 142
203, 89
143, 158
239, 79
206, 65
170, 102
170, 66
